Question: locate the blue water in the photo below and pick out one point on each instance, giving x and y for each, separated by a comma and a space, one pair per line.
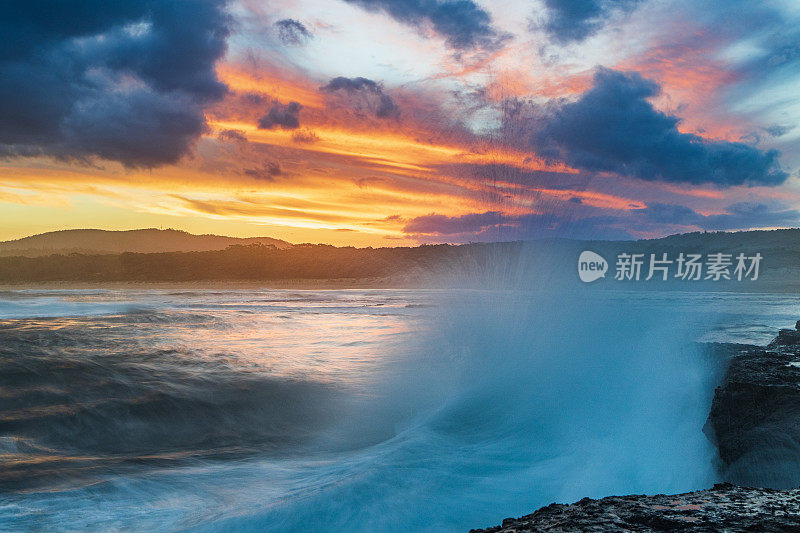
358, 410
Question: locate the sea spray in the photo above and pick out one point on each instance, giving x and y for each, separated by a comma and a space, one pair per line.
508, 401
441, 410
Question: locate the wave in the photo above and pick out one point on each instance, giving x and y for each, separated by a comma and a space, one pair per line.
493, 404
34, 306
508, 403
74, 411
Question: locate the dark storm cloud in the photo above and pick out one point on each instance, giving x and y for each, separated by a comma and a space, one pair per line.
292, 32
462, 23
614, 128
574, 20
742, 215
383, 104
125, 81
283, 116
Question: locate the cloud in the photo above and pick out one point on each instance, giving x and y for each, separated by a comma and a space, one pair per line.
778, 130
351, 85
292, 32
493, 172
256, 210
380, 102
742, 215
268, 171
434, 224
462, 23
232, 135
124, 81
672, 214
496, 226
283, 116
613, 127
305, 136
574, 20
579, 223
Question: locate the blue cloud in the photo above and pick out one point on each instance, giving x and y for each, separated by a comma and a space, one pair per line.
462, 23
614, 128
125, 81
574, 20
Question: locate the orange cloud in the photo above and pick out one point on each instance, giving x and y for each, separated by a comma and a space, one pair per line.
396, 150
282, 85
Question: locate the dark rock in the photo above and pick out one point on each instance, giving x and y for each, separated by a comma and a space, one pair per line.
722, 508
786, 337
755, 415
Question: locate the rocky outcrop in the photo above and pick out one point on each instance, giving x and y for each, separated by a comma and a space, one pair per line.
755, 415
722, 508
787, 337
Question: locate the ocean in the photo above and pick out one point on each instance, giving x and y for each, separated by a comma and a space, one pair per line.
353, 410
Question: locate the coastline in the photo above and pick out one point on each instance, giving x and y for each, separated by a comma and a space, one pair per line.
295, 284
724, 507
395, 282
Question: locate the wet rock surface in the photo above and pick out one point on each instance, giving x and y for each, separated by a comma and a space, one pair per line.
755, 415
787, 337
722, 508
755, 424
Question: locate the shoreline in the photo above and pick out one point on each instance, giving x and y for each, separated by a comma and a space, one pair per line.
723, 507
296, 284
401, 283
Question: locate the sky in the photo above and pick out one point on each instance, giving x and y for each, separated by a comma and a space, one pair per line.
400, 122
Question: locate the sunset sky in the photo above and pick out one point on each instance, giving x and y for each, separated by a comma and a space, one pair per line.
384, 123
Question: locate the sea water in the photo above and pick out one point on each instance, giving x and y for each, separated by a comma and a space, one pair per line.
357, 410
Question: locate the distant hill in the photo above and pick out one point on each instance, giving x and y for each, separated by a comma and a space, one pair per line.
519, 265
95, 241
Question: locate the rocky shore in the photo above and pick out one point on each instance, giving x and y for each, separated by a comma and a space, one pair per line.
724, 507
755, 415
755, 424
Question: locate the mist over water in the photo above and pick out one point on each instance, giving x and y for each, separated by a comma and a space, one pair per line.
362, 410
508, 403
